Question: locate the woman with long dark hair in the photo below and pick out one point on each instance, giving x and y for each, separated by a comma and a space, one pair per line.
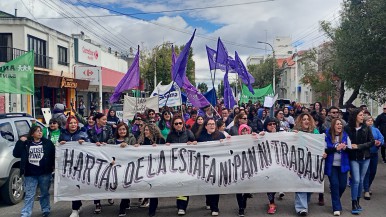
100, 134
198, 126
123, 138
179, 134
37, 161
112, 119
337, 162
164, 123
211, 134
151, 135
362, 140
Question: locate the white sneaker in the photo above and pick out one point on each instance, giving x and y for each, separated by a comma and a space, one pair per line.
75, 213
181, 212
214, 213
336, 213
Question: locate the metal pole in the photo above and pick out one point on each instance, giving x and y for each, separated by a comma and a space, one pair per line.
273, 73
155, 68
100, 91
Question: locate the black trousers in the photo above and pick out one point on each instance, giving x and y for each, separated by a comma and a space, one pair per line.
153, 206
76, 204
182, 204
124, 205
242, 200
212, 201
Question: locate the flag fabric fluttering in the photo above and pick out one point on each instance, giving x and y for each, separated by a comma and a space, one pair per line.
221, 55
179, 68
129, 81
242, 71
229, 100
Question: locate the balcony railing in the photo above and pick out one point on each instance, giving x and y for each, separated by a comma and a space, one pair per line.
8, 53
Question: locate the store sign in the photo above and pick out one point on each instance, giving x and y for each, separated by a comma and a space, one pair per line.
87, 53
69, 83
88, 73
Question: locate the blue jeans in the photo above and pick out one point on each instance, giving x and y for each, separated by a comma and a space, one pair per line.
301, 201
370, 175
358, 173
338, 182
30, 184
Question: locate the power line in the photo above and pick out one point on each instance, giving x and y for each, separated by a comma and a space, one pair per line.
161, 12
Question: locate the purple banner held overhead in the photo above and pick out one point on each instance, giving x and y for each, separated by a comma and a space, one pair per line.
129, 81
229, 99
242, 71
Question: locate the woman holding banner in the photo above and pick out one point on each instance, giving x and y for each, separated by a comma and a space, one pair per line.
337, 162
304, 123
179, 134
198, 126
211, 134
73, 133
151, 135
100, 134
123, 138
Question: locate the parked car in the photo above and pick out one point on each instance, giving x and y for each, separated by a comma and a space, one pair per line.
12, 127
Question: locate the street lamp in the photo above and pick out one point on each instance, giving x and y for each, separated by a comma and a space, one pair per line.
155, 60
274, 64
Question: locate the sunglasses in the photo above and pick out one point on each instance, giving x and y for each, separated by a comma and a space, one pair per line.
151, 113
270, 124
53, 122
177, 123
334, 112
152, 122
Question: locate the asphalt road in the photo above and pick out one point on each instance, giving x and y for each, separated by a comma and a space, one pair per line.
257, 206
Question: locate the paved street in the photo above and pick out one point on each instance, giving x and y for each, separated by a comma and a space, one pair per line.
256, 206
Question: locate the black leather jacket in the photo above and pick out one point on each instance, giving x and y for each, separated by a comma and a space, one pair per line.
364, 139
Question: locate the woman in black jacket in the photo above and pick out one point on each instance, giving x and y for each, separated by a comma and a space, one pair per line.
361, 141
151, 135
112, 119
179, 134
211, 134
100, 134
37, 162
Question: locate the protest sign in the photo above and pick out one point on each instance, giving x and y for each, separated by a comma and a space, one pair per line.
132, 105
290, 162
170, 93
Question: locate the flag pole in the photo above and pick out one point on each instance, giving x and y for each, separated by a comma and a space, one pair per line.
33, 105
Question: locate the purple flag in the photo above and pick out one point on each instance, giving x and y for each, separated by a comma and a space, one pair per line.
129, 81
174, 60
194, 96
221, 55
229, 99
179, 69
242, 71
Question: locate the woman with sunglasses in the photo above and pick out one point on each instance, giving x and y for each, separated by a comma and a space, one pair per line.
240, 119
37, 169
304, 123
73, 133
164, 123
123, 138
179, 134
151, 135
137, 126
211, 134
99, 135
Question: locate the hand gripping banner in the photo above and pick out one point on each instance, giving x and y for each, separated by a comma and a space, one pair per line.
288, 162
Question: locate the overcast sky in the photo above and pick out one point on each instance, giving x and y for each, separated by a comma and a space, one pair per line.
240, 24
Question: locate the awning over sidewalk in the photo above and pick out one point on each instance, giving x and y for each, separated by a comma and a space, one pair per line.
56, 81
111, 78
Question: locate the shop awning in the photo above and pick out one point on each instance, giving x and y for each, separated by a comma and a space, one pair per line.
56, 81
111, 78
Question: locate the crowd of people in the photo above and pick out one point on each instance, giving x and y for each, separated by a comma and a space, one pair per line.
352, 140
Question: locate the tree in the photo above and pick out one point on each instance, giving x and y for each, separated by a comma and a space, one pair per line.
360, 45
263, 73
220, 88
202, 87
163, 56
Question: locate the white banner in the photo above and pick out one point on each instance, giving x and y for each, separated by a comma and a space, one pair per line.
133, 105
287, 162
163, 91
88, 73
86, 52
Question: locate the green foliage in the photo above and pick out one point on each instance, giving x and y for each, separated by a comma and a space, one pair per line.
263, 73
220, 88
162, 54
202, 87
360, 47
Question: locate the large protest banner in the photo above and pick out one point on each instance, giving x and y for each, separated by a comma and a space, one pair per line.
288, 162
132, 105
170, 93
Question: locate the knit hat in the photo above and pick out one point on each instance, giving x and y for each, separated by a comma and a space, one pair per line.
244, 126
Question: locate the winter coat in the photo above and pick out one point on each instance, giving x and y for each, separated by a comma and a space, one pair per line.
377, 136
328, 120
364, 139
104, 136
331, 149
65, 135
180, 137
130, 140
380, 123
205, 137
21, 151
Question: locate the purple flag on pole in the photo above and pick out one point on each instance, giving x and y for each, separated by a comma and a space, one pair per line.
229, 100
242, 71
221, 55
194, 96
179, 69
129, 81
174, 60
